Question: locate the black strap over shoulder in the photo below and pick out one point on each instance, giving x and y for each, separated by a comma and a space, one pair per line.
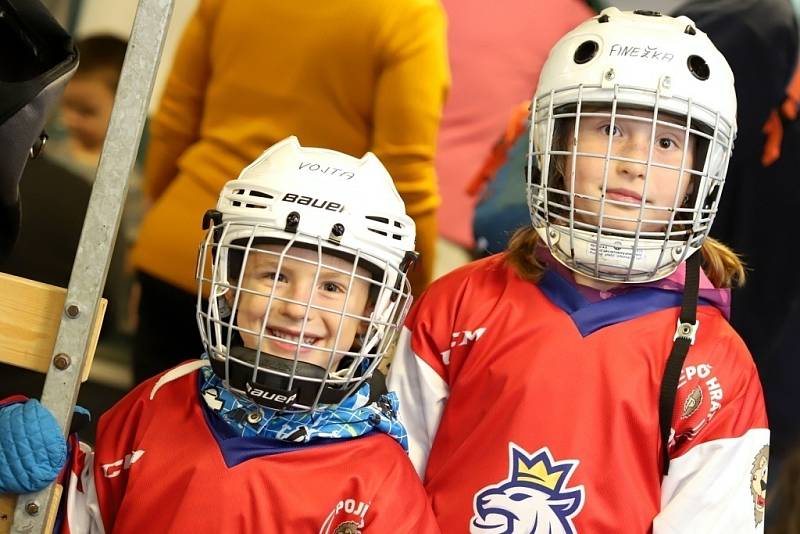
684, 338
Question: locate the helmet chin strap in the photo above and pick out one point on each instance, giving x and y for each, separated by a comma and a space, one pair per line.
271, 390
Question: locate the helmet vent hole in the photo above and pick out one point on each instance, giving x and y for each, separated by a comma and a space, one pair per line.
647, 13
698, 67
243, 194
586, 52
690, 30
384, 226
603, 18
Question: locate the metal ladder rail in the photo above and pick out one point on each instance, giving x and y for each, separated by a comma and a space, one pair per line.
99, 233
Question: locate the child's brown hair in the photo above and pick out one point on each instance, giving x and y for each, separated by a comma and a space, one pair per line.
722, 266
102, 55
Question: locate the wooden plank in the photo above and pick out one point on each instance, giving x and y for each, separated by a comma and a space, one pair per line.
8, 502
52, 513
30, 313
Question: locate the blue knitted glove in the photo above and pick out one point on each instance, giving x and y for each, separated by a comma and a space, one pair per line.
32, 448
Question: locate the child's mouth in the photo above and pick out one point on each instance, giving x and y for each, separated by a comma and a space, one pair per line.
288, 341
624, 195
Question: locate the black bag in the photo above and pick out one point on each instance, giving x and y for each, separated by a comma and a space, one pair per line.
37, 58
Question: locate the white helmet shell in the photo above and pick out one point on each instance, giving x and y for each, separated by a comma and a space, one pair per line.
646, 61
325, 188
322, 200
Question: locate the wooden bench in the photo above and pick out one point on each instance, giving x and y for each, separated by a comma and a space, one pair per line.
30, 313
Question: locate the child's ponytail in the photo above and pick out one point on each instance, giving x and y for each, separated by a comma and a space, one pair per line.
721, 264
521, 254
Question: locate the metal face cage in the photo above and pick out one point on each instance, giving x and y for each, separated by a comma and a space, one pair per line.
624, 183
292, 320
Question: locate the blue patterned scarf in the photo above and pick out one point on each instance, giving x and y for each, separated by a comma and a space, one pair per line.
353, 417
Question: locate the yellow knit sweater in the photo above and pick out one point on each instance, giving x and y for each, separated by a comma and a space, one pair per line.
351, 75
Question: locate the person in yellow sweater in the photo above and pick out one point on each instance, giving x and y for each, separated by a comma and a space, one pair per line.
348, 75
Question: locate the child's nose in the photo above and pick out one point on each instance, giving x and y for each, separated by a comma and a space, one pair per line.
295, 301
632, 154
69, 118
631, 169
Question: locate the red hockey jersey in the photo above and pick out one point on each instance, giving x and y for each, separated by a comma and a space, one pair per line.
532, 410
161, 465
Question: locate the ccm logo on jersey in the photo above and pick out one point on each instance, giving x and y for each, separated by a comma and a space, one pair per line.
461, 339
115, 468
313, 202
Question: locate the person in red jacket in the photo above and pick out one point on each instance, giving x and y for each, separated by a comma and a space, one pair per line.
587, 379
283, 425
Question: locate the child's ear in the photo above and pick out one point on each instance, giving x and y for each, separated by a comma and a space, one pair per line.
689, 195
363, 325
228, 295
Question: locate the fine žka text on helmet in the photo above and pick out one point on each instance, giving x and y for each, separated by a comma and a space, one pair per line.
647, 52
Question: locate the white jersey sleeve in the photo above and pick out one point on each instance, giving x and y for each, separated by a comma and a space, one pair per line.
719, 446
716, 487
83, 507
423, 395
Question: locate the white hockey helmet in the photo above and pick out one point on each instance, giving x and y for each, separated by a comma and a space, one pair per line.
337, 209
664, 72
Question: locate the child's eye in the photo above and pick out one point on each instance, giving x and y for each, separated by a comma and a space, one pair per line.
274, 276
667, 143
332, 287
607, 129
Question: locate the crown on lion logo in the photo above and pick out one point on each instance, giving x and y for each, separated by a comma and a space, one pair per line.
539, 474
539, 470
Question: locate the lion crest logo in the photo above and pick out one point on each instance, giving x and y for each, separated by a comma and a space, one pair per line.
534, 499
758, 483
348, 527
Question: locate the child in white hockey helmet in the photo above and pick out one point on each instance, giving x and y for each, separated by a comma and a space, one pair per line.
587, 379
283, 426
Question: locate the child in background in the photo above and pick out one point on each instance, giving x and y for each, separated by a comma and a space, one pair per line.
85, 114
283, 426
547, 389
87, 101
